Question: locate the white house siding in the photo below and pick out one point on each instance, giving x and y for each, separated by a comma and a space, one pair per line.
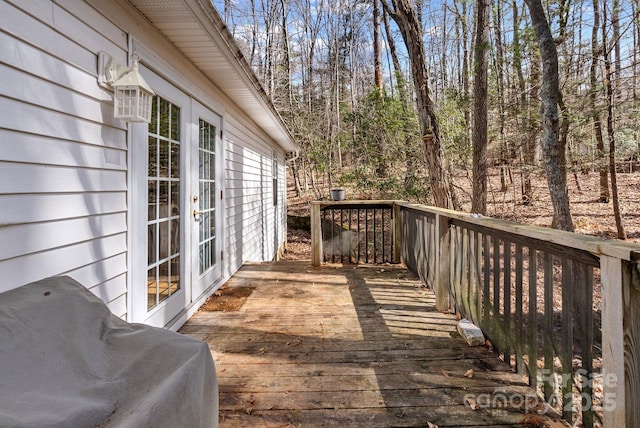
63, 159
249, 220
65, 201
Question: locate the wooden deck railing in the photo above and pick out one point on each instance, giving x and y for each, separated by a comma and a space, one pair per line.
355, 232
562, 308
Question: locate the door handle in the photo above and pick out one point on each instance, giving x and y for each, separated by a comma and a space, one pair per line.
197, 215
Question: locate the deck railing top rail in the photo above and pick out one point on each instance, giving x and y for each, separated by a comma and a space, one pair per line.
597, 246
593, 244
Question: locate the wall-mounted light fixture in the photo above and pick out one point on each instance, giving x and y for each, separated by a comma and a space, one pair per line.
132, 95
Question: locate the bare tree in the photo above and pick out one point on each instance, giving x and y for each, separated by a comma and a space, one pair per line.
549, 96
522, 111
406, 17
397, 68
565, 122
286, 61
611, 135
462, 30
596, 52
377, 48
480, 86
505, 154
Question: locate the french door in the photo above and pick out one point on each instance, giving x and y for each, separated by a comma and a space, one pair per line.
206, 179
175, 200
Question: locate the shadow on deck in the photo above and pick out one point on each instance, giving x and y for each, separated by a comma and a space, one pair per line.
351, 347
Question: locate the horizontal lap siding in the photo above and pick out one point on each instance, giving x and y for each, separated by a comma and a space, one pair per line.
63, 158
282, 200
249, 216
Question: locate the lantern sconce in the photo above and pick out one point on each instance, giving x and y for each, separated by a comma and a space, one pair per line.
132, 95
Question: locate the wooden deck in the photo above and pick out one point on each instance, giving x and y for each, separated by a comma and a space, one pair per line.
350, 347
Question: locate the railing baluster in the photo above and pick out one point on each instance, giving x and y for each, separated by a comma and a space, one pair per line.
359, 237
350, 255
496, 327
417, 242
340, 236
382, 228
479, 237
464, 271
442, 242
456, 254
366, 234
508, 327
518, 315
427, 250
567, 339
486, 295
473, 282
533, 318
586, 343
375, 240
471, 275
548, 326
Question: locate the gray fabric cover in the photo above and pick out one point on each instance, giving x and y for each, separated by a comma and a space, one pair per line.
66, 361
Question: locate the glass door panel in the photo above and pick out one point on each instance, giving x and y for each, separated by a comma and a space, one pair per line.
207, 184
163, 221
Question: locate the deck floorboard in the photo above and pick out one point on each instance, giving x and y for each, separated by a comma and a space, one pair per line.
350, 347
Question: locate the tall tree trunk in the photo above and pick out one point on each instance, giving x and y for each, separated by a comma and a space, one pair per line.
532, 128
377, 48
480, 121
565, 123
410, 156
462, 22
295, 173
505, 155
410, 27
287, 57
522, 112
635, 11
610, 128
227, 11
254, 33
617, 64
549, 96
563, 131
596, 51
397, 68
381, 161
444, 77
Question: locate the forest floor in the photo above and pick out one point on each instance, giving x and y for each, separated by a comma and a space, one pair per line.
590, 217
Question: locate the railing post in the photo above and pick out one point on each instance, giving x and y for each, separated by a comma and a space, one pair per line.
442, 242
397, 233
316, 234
613, 358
